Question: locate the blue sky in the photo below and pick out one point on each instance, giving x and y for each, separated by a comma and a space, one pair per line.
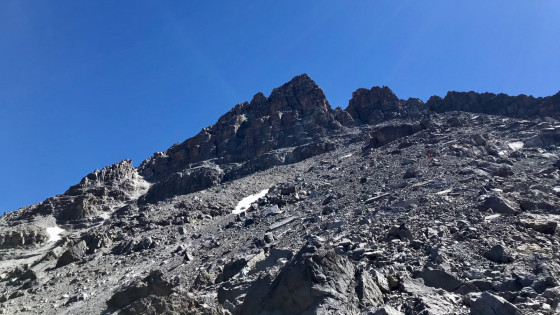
84, 84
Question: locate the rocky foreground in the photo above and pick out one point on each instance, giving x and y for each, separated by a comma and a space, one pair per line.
287, 206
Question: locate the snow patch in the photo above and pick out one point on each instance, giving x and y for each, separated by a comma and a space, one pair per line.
54, 233
492, 217
246, 202
346, 156
444, 192
517, 145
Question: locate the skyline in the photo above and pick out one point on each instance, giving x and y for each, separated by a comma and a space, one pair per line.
86, 85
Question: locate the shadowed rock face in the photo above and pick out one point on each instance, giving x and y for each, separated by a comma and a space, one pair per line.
396, 210
295, 114
380, 104
314, 282
521, 106
22, 236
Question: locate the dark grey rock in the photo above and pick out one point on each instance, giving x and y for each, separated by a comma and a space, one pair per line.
438, 278
73, 254
498, 254
489, 304
153, 284
500, 204
313, 282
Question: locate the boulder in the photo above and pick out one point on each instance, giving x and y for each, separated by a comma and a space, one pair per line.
438, 278
314, 281
153, 284
489, 304
543, 226
73, 254
390, 133
500, 204
497, 254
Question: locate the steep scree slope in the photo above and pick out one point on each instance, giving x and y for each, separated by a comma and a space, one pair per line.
388, 207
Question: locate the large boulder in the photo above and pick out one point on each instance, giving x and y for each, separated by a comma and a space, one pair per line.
489, 304
314, 282
390, 133
73, 254
498, 254
438, 278
153, 285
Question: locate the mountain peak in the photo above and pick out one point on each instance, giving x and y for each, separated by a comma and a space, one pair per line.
295, 114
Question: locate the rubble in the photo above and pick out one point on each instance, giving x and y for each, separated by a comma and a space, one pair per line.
388, 207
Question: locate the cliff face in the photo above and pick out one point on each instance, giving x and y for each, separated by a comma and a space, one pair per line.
521, 106
294, 114
97, 193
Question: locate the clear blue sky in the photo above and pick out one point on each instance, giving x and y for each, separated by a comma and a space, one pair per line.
84, 84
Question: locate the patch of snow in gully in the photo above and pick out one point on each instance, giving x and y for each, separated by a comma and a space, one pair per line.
517, 145
246, 202
54, 233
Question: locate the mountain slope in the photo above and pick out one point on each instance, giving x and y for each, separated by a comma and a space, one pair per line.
388, 206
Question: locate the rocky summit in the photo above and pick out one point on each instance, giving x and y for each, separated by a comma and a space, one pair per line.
288, 206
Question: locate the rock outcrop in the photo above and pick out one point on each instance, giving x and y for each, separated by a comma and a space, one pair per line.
22, 236
98, 192
380, 104
295, 117
521, 106
395, 209
294, 114
314, 282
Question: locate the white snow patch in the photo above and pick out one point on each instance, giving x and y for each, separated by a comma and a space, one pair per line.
246, 202
54, 233
444, 192
516, 145
105, 215
549, 155
346, 156
492, 217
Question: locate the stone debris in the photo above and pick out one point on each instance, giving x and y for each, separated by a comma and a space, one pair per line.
387, 207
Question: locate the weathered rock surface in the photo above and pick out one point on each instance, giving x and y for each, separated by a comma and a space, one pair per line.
22, 236
488, 304
314, 282
521, 106
153, 284
73, 254
98, 192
